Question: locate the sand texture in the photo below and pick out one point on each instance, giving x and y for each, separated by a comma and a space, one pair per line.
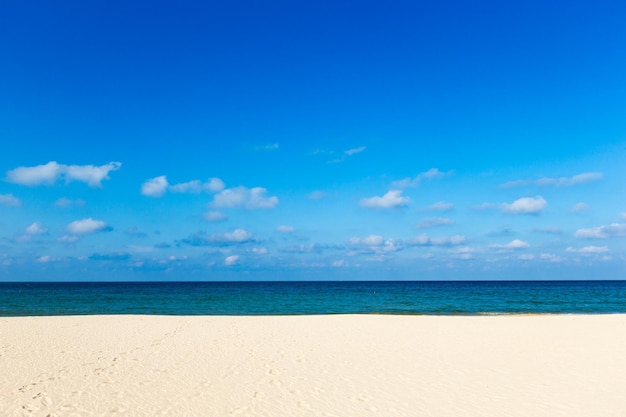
346, 365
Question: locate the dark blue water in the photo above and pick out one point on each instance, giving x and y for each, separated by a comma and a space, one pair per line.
281, 298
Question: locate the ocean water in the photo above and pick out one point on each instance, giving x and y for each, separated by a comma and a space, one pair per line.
287, 298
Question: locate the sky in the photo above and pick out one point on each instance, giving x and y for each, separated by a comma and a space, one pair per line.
312, 140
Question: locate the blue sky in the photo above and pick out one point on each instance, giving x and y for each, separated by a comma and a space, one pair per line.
312, 140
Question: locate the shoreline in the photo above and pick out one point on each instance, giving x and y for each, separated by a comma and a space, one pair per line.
314, 365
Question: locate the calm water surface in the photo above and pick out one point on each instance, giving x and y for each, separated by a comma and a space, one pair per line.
281, 298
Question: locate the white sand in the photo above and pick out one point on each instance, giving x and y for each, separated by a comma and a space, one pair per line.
313, 366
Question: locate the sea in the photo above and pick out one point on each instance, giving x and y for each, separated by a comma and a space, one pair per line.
319, 297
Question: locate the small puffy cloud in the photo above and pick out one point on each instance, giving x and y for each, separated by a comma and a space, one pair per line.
41, 174
212, 185
375, 244
231, 260
67, 202
68, 239
8, 200
317, 195
588, 249
238, 236
602, 232
155, 187
339, 263
51, 172
90, 174
526, 257
215, 216
412, 182
549, 257
43, 259
392, 199
583, 178
441, 206
434, 222
249, 198
285, 229
158, 186
526, 205
425, 240
579, 208
36, 229
260, 251
512, 245
87, 226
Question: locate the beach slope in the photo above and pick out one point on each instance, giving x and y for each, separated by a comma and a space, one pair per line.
344, 365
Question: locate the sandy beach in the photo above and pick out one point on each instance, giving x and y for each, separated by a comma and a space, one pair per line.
345, 365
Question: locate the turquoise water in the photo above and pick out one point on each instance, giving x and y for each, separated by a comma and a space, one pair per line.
281, 298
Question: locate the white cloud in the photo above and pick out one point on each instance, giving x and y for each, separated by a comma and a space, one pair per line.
158, 186
441, 206
376, 244
49, 173
285, 229
425, 240
260, 251
391, 199
86, 226
9, 200
579, 208
526, 205
66, 202
602, 232
371, 240
354, 151
412, 182
155, 187
68, 239
512, 245
90, 174
40, 174
36, 229
550, 257
526, 257
588, 249
43, 259
237, 236
249, 198
215, 216
583, 178
195, 187
339, 263
434, 222
231, 260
